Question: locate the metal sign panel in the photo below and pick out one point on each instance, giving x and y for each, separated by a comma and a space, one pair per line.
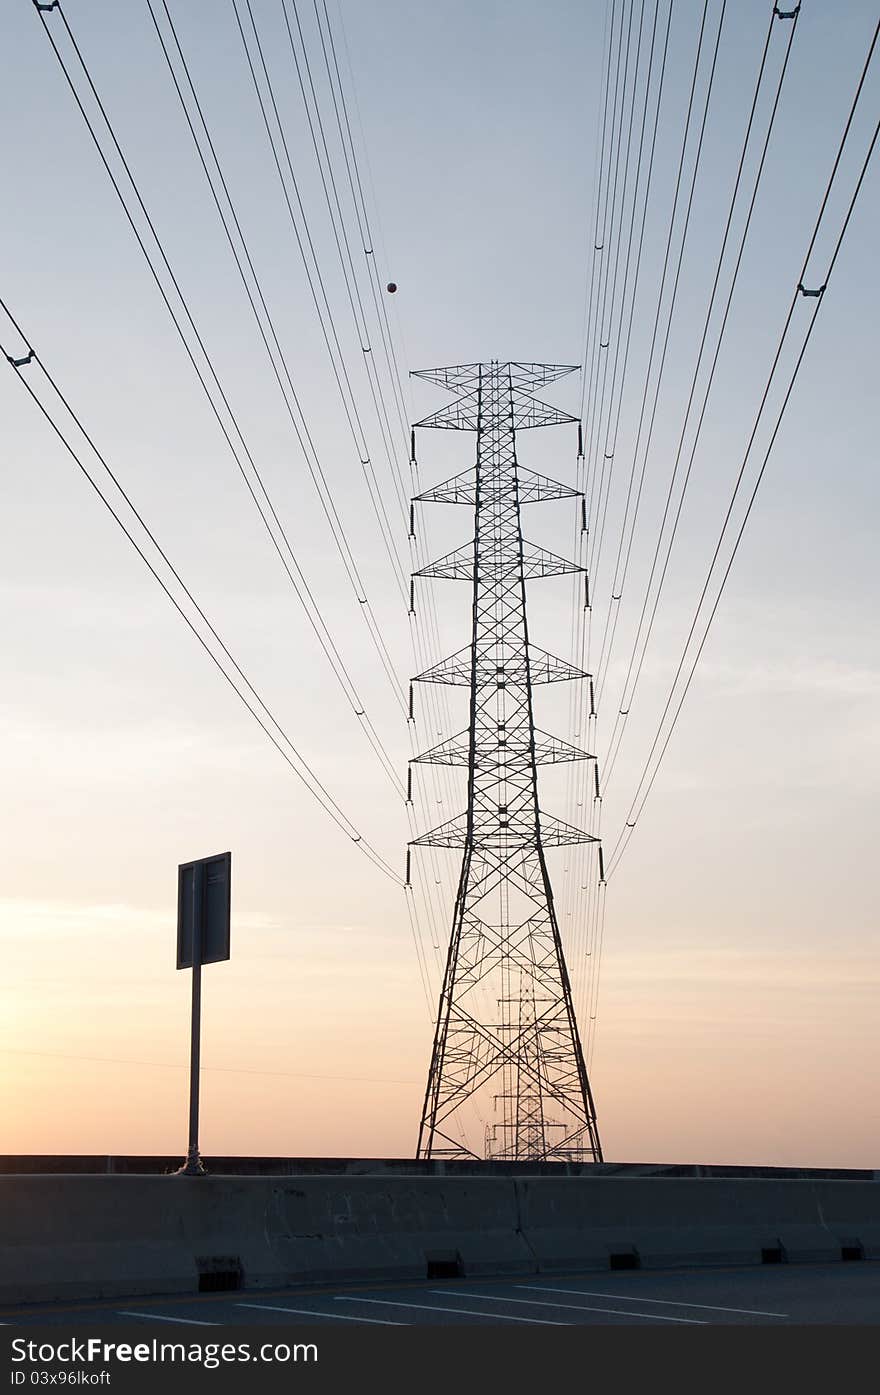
204, 900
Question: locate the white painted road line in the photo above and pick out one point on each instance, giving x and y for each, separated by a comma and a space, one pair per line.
465, 1312
161, 1317
313, 1312
664, 1302
575, 1307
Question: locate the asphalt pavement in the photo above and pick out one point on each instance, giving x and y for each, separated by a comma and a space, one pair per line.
778, 1294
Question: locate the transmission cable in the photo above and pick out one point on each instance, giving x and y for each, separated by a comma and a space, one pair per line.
355, 184
604, 343
354, 296
303, 434
435, 699
578, 777
332, 334
584, 659
312, 269
296, 576
348, 270
643, 789
291, 755
628, 692
380, 511
372, 483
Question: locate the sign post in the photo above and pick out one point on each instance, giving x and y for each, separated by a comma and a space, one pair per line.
203, 918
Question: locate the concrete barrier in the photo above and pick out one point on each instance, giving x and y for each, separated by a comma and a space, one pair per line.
364, 1225
89, 1236
75, 1237
67, 1237
659, 1221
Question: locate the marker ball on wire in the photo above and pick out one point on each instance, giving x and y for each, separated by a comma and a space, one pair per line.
391, 287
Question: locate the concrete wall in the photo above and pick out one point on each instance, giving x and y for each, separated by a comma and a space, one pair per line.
92, 1236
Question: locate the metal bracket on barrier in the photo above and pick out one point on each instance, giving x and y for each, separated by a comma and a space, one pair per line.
816, 295
786, 14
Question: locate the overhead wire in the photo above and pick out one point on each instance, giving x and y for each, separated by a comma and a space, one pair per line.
587, 881
617, 584
628, 692
579, 613
313, 267
320, 299
595, 505
259, 495
579, 776
652, 765
354, 295
588, 876
598, 162
331, 337
383, 650
213, 1070
303, 590
282, 742
223, 182
331, 334
340, 108
297, 418
592, 891
429, 886
343, 247
436, 701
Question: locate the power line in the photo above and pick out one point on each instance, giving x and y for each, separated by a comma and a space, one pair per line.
214, 1070
604, 344
291, 754
578, 776
583, 659
360, 320
313, 270
314, 615
348, 269
317, 473
628, 693
593, 555
311, 456
428, 635
614, 378
643, 789
598, 163
601, 205
292, 568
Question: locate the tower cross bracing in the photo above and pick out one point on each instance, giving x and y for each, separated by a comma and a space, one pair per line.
506, 1039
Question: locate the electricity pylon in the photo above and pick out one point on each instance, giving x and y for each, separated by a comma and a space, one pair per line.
506, 1039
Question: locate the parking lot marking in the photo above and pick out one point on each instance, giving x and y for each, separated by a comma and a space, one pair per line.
668, 1302
466, 1312
162, 1317
576, 1307
313, 1312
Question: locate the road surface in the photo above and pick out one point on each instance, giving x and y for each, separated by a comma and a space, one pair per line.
769, 1295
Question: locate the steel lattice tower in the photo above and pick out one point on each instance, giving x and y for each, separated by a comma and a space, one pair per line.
506, 1037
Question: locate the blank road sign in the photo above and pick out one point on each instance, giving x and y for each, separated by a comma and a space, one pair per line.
213, 898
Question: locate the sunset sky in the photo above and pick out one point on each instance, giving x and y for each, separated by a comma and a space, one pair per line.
737, 1018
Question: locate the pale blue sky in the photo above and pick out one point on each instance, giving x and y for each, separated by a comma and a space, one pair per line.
740, 944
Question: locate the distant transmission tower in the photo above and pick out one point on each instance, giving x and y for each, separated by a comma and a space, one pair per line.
507, 1058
